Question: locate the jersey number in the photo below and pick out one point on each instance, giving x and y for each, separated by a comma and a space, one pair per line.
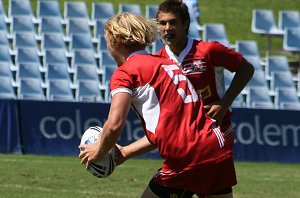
176, 78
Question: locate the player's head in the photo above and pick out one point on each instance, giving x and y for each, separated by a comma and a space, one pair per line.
129, 31
176, 7
173, 22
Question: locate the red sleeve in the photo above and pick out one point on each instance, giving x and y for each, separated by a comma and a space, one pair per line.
219, 55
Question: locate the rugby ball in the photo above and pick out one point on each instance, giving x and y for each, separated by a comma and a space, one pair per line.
104, 167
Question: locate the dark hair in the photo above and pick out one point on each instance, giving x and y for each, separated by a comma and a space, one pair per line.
176, 7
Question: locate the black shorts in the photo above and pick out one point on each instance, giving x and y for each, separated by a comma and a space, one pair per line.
163, 191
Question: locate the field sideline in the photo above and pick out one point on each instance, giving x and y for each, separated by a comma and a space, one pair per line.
64, 177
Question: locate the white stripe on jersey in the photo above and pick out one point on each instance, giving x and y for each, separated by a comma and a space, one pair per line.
120, 90
219, 135
146, 103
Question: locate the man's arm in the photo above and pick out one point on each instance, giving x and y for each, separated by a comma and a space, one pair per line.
112, 130
138, 147
218, 109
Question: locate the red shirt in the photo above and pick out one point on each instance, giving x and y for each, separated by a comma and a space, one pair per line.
203, 64
171, 112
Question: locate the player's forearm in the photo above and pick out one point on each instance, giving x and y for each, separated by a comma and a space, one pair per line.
239, 81
136, 148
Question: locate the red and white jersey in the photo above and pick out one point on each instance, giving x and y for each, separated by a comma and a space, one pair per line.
171, 111
203, 64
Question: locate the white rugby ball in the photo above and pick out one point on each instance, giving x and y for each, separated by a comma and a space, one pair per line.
104, 167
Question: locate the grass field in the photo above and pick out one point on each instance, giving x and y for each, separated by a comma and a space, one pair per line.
31, 176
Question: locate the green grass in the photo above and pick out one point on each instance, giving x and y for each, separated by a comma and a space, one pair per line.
64, 177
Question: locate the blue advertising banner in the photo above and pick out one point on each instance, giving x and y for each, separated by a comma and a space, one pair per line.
55, 128
267, 135
9, 127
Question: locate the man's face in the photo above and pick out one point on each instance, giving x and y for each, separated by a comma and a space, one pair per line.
171, 28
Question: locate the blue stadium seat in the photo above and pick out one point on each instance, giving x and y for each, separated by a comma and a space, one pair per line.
77, 25
3, 12
102, 10
247, 48
27, 55
281, 80
49, 9
108, 71
102, 46
277, 63
22, 24
258, 80
28, 70
89, 91
106, 59
6, 88
20, 8
57, 72
132, 8
99, 28
53, 41
5, 55
151, 11
259, 98
30, 89
3, 26
5, 70
291, 40
75, 9
239, 100
55, 56
4, 39
24, 40
86, 72
286, 98
215, 32
195, 28
81, 41
288, 19
50, 25
83, 57
263, 23
59, 90
255, 61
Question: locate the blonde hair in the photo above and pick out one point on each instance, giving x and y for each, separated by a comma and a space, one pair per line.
131, 30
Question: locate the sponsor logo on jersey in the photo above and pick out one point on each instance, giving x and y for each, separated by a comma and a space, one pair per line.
205, 92
194, 66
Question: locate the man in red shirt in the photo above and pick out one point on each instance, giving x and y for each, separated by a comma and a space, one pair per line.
195, 151
203, 64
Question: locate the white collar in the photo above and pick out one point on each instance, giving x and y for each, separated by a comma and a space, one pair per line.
178, 59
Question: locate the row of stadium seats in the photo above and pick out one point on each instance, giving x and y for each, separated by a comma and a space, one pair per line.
71, 49
288, 26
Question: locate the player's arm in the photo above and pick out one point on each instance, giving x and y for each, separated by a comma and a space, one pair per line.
112, 130
242, 75
136, 148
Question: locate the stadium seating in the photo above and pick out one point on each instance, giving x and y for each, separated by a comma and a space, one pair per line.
75, 9
263, 23
291, 40
20, 8
59, 90
255, 61
30, 89
52, 41
48, 9
247, 48
86, 72
102, 10
89, 91
50, 25
83, 57
258, 97
5, 70
80, 41
55, 56
6, 88
57, 72
281, 80
106, 59
22, 24
151, 11
99, 28
157, 45
286, 98
132, 8
215, 32
3, 38
28, 70
27, 55
288, 19
24, 40
258, 80
276, 64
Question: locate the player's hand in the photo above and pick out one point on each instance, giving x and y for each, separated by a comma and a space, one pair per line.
88, 154
216, 111
121, 154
